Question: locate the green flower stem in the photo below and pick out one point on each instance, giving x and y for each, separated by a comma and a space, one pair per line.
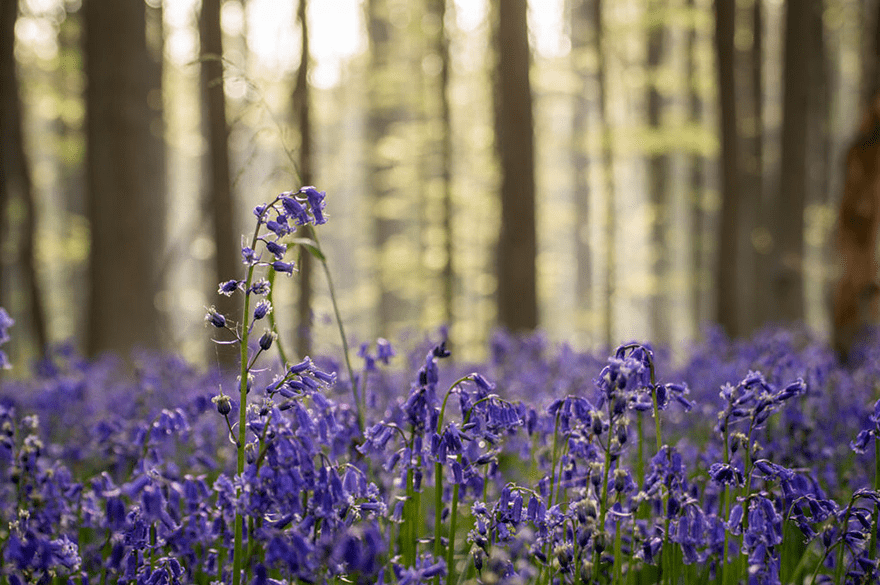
453, 520
273, 324
358, 401
409, 544
640, 452
841, 553
725, 493
438, 483
453, 506
553, 461
603, 499
242, 403
746, 495
618, 555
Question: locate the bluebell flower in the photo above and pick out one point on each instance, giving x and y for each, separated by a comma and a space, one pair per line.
279, 226
267, 339
316, 203
248, 256
263, 308
726, 474
384, 350
260, 287
283, 267
276, 249
229, 287
215, 318
295, 210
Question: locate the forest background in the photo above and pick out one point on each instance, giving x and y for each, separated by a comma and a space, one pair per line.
601, 170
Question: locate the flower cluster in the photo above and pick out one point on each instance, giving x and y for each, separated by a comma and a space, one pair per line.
545, 465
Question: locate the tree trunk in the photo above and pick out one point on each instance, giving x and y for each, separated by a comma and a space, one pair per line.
793, 180
583, 42
125, 177
657, 180
870, 83
727, 264
15, 178
302, 114
857, 292
440, 45
747, 68
517, 297
607, 179
385, 114
218, 185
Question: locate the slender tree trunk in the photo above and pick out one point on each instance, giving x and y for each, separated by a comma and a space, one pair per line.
607, 180
870, 83
438, 8
72, 179
384, 113
15, 177
583, 42
218, 185
302, 113
727, 309
125, 177
789, 216
657, 180
517, 296
747, 71
760, 240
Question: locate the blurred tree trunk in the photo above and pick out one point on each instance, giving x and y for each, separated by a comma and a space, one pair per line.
70, 81
385, 112
218, 185
870, 82
856, 300
701, 278
125, 176
302, 114
749, 96
658, 181
799, 111
583, 47
514, 134
857, 292
727, 263
760, 241
15, 179
438, 10
607, 177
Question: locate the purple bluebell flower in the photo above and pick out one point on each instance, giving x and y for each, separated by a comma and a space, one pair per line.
384, 350
284, 267
296, 210
266, 339
260, 287
263, 308
316, 203
276, 249
248, 256
214, 318
229, 287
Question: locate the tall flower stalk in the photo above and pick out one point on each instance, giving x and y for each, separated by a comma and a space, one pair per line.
303, 208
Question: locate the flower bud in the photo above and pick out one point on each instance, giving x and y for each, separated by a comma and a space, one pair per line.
224, 404
266, 340
216, 319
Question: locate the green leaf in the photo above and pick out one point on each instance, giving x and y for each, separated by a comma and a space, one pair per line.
311, 246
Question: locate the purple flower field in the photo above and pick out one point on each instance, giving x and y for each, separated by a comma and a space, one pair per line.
755, 462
